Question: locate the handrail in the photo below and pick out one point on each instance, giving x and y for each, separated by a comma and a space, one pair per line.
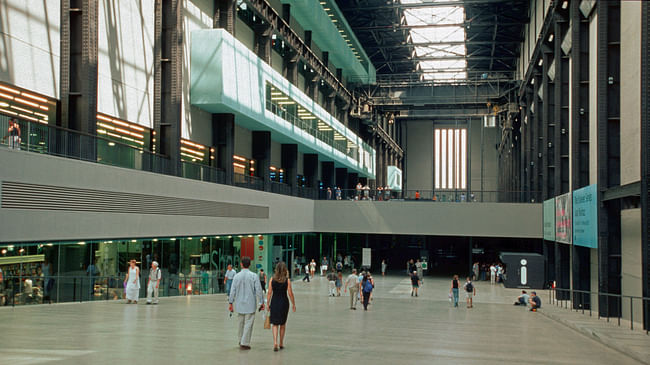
571, 298
448, 196
64, 142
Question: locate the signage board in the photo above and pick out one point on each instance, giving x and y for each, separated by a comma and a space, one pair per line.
549, 219
394, 178
563, 218
585, 217
365, 257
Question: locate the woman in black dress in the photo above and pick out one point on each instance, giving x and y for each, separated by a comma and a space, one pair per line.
279, 289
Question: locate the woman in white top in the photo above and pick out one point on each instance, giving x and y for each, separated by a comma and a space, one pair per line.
312, 268
132, 282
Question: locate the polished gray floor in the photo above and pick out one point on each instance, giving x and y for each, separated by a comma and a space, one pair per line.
397, 329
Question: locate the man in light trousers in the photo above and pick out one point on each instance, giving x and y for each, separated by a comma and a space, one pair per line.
352, 283
153, 284
246, 294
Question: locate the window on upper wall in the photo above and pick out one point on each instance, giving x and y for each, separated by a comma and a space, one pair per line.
450, 157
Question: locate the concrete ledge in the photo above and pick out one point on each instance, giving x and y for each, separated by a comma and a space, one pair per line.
594, 335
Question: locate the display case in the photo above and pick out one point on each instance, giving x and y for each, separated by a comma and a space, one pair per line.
22, 279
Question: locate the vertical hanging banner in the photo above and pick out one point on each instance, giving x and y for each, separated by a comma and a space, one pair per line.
563, 218
585, 217
549, 220
394, 178
248, 248
365, 257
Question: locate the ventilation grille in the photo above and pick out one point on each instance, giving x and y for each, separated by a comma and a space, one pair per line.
47, 197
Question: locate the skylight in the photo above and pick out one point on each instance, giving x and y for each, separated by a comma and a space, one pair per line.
444, 22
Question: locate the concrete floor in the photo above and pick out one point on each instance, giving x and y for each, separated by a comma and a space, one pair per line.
397, 329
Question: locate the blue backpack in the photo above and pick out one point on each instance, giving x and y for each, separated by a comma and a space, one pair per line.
367, 286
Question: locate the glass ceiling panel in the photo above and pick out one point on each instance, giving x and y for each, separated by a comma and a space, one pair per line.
437, 17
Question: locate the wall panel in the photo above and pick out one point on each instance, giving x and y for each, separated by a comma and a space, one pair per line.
30, 45
125, 60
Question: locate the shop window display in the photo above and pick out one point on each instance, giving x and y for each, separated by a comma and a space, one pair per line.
54, 272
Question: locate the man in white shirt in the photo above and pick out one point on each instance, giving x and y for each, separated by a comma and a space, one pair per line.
352, 282
246, 294
323, 266
493, 274
154, 282
230, 275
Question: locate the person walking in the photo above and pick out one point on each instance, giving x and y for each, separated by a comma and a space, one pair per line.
493, 274
306, 273
470, 292
415, 283
246, 295
383, 267
132, 282
366, 288
154, 282
455, 284
418, 268
331, 283
312, 268
227, 280
411, 267
339, 283
352, 283
475, 271
279, 289
262, 276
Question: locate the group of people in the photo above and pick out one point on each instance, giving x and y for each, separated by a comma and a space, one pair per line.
132, 283
13, 134
360, 287
342, 262
361, 192
468, 288
246, 297
415, 266
495, 272
531, 300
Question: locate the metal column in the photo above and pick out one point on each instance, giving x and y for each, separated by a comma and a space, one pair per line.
579, 97
168, 80
547, 128
608, 122
78, 68
225, 12
561, 113
645, 158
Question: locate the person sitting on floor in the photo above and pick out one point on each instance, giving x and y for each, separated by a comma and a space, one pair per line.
535, 302
523, 298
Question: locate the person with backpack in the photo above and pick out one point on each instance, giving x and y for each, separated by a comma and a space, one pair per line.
470, 292
366, 289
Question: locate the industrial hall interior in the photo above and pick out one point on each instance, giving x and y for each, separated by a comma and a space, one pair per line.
308, 181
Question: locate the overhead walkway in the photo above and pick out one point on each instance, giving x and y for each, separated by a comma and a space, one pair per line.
95, 201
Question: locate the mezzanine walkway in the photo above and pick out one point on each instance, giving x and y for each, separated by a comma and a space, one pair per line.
398, 329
